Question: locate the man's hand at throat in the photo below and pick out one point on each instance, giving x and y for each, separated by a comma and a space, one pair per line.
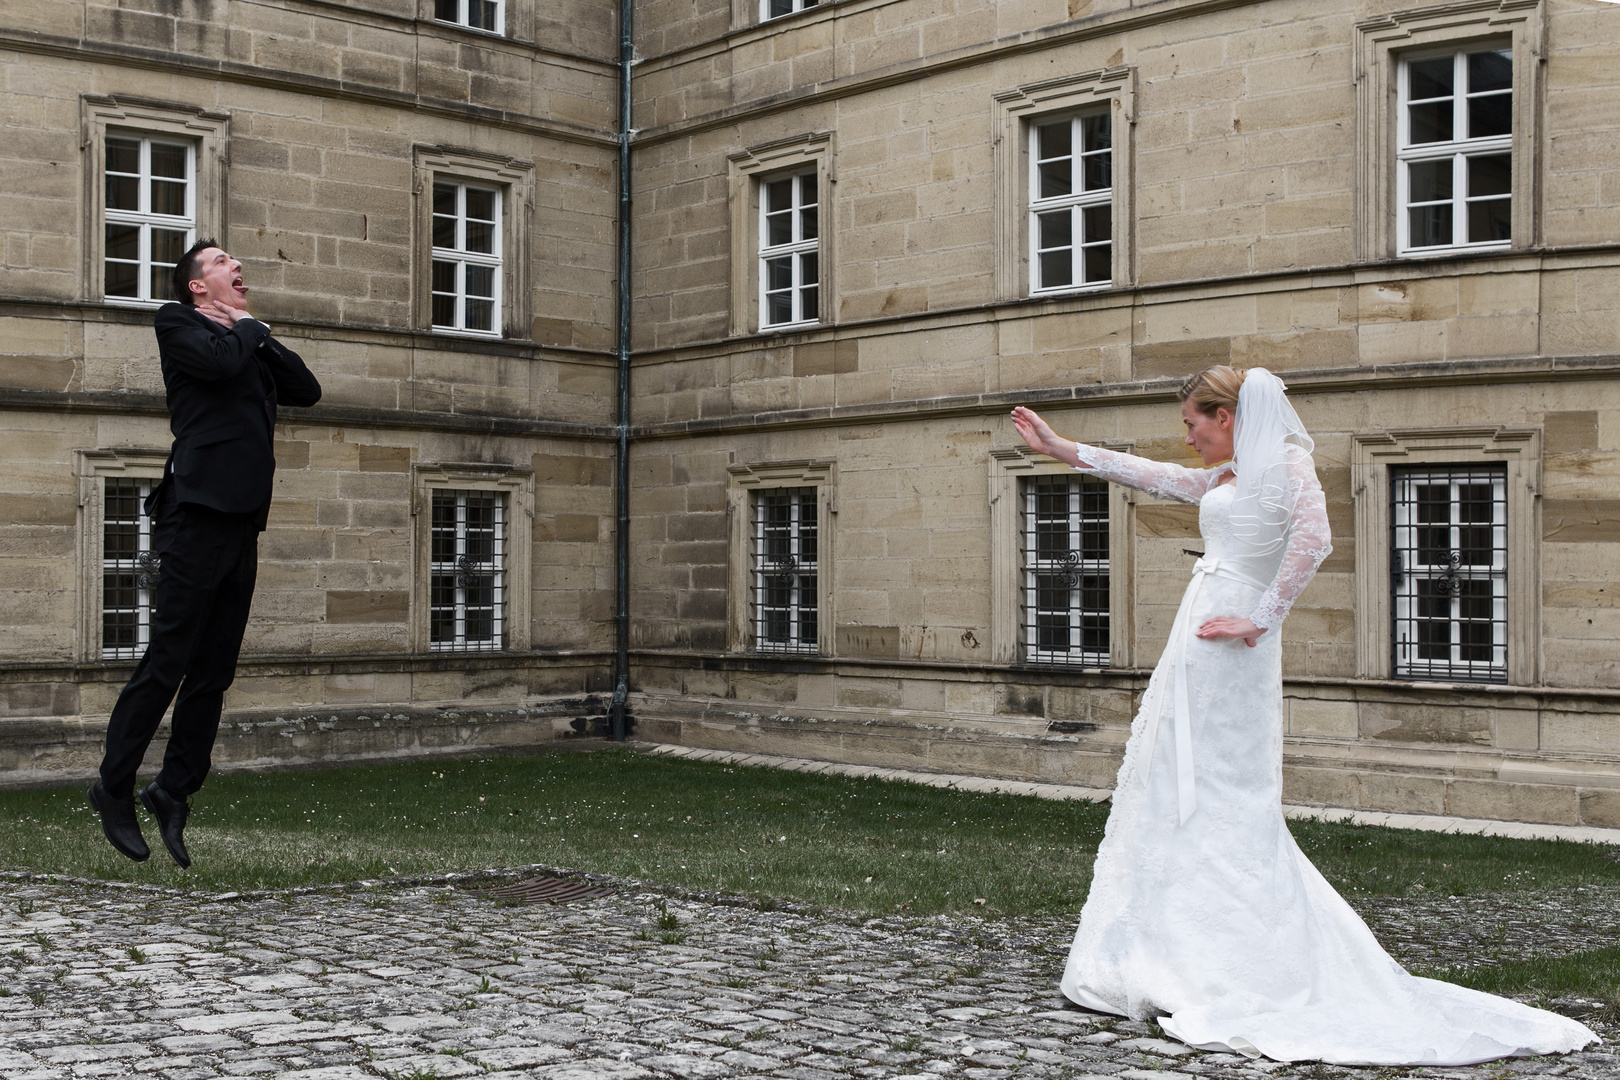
226, 313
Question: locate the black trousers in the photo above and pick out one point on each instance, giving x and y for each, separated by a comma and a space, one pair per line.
200, 607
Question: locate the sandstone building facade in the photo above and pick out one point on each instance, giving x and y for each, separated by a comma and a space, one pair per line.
862, 231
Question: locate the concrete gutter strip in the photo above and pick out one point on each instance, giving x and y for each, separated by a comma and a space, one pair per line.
1421, 822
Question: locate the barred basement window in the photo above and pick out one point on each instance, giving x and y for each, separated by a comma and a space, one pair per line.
467, 576
150, 215
789, 251
1065, 563
477, 14
1449, 565
466, 258
784, 570
129, 569
1456, 151
1071, 202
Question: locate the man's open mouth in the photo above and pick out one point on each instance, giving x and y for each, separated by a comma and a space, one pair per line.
238, 284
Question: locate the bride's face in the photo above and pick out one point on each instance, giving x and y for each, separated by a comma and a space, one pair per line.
1210, 435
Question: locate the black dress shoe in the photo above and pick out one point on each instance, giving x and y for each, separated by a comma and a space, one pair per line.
171, 815
118, 823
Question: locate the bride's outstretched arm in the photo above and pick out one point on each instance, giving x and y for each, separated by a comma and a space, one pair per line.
1163, 479
1309, 542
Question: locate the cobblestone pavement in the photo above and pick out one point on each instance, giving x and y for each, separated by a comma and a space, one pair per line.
416, 980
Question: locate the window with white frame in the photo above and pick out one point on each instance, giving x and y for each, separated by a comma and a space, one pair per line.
784, 552
1064, 542
466, 258
129, 568
150, 214
1455, 131
476, 14
1449, 569
1071, 222
467, 572
789, 251
775, 9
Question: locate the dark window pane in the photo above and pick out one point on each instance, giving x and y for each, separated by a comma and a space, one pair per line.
446, 10
1428, 181
481, 14
1488, 116
444, 199
121, 279
169, 160
444, 232
1057, 269
778, 228
778, 196
1099, 171
168, 198
1431, 78
480, 314
780, 8
1099, 221
444, 310
167, 247
810, 303
809, 223
1431, 225
123, 241
480, 204
1490, 220
1490, 70
778, 308
808, 268
444, 276
480, 281
1096, 132
1490, 174
1055, 140
481, 237
123, 192
1099, 263
1057, 229
123, 155
1430, 122
1057, 178
779, 273
807, 189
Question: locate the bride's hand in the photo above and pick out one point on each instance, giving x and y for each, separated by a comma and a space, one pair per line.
1231, 628
1038, 433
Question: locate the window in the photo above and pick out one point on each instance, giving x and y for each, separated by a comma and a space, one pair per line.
1063, 184
779, 595
1446, 128
1065, 568
789, 251
1061, 545
129, 569
476, 14
1447, 554
150, 214
785, 589
1449, 563
1455, 177
467, 576
1071, 202
466, 258
775, 9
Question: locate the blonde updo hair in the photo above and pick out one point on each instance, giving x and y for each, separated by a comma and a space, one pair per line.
1213, 388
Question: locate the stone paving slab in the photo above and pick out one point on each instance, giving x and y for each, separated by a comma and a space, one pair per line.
410, 980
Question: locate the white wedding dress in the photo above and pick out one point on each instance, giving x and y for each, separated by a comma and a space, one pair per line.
1203, 913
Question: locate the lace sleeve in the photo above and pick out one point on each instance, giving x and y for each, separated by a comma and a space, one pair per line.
1162, 479
1309, 542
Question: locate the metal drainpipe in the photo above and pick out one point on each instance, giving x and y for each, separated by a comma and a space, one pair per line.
621, 533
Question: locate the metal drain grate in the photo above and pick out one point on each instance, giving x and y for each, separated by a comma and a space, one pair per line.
548, 890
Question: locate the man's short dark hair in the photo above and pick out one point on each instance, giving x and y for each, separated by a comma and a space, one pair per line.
186, 270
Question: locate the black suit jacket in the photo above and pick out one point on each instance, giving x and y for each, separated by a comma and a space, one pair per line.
223, 389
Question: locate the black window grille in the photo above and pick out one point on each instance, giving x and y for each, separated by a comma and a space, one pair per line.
1065, 563
784, 570
467, 578
129, 569
1449, 564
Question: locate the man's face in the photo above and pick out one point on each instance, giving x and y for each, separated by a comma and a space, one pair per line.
219, 278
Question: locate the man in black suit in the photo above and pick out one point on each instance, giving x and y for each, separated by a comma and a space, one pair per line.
224, 375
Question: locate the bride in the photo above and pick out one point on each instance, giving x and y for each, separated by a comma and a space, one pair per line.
1203, 913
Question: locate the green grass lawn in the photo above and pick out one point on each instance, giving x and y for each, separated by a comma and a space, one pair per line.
868, 846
